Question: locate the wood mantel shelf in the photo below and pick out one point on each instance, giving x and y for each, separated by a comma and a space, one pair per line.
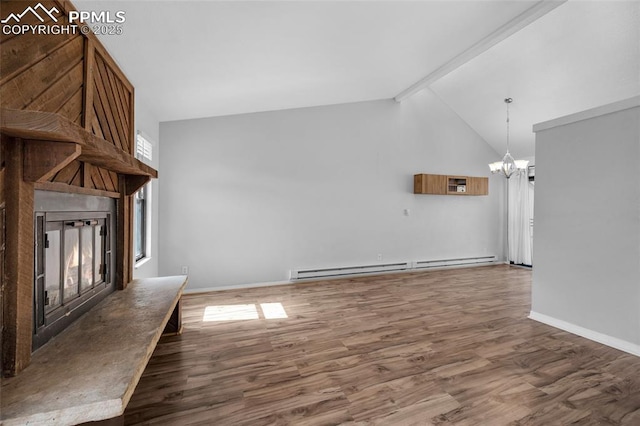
53, 142
89, 371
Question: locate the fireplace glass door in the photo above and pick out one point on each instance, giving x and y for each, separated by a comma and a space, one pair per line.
72, 268
73, 258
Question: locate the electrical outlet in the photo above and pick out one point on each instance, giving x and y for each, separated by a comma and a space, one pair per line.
185, 270
379, 256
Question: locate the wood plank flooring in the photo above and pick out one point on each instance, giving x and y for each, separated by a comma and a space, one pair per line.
437, 347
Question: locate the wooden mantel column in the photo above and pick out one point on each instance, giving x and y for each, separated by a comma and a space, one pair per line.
18, 280
124, 239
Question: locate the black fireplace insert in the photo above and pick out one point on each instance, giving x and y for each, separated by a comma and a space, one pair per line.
74, 258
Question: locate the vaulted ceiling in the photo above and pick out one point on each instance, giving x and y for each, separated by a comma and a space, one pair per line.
190, 59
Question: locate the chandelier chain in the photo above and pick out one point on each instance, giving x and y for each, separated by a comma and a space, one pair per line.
508, 101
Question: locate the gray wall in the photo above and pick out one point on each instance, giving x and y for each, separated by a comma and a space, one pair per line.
246, 198
587, 224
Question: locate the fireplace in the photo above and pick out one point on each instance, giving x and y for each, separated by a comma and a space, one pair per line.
67, 180
74, 243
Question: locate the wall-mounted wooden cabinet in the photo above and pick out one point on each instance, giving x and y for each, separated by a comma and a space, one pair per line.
450, 185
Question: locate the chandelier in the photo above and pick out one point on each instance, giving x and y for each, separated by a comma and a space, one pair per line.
508, 166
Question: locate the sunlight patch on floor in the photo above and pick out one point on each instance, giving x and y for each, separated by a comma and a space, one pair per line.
230, 313
273, 310
243, 312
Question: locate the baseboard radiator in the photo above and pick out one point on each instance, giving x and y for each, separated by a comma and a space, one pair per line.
301, 274
425, 264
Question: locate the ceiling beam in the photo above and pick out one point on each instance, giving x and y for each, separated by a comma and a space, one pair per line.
516, 24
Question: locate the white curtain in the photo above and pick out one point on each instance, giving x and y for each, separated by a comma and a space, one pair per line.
520, 219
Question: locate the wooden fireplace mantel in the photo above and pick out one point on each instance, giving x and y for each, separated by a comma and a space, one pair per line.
87, 146
52, 142
37, 146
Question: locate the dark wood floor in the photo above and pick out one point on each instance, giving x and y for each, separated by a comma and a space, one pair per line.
439, 347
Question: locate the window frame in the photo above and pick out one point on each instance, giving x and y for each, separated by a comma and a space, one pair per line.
141, 201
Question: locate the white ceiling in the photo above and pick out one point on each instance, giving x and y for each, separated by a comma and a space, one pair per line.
190, 59
579, 56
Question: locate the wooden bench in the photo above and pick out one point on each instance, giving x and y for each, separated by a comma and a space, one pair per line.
89, 371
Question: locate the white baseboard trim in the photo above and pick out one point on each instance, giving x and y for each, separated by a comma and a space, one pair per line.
605, 339
197, 290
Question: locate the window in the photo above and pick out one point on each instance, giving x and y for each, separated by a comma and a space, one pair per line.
140, 203
144, 148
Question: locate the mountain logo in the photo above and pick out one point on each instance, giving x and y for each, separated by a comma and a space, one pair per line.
34, 10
